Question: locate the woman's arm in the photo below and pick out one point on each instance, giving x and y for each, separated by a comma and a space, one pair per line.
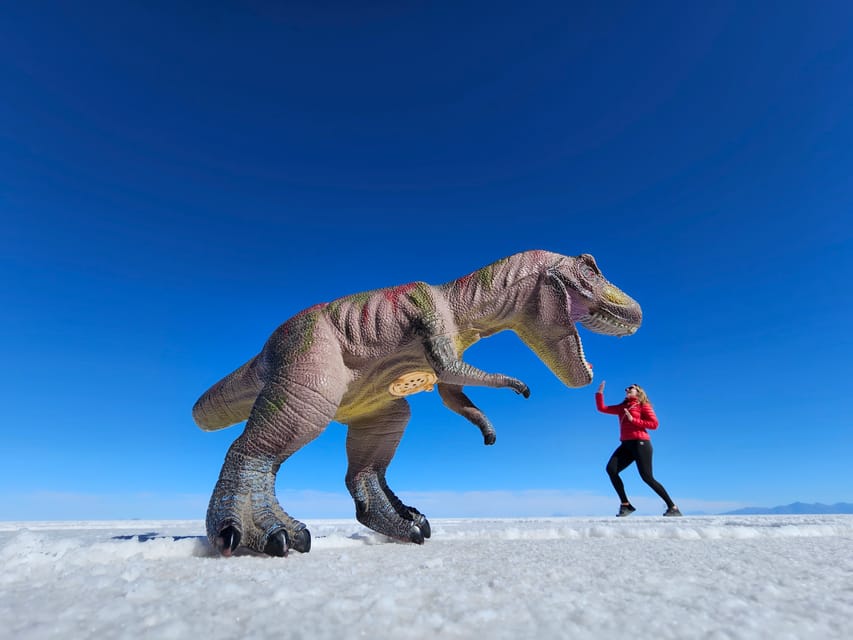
599, 401
615, 409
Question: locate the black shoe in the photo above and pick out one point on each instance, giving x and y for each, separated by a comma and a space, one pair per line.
626, 510
672, 511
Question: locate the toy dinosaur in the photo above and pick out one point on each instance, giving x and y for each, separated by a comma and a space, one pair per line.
354, 360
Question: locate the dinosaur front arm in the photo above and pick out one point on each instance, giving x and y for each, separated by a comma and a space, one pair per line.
455, 400
441, 355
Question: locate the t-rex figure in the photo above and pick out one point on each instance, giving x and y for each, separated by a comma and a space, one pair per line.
355, 359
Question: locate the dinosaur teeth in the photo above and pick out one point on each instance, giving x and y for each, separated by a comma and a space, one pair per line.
582, 355
606, 324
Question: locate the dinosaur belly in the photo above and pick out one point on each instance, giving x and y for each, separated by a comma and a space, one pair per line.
387, 380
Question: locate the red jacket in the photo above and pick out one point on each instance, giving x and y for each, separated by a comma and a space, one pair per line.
643, 414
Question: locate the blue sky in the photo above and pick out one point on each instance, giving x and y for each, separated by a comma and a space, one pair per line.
176, 182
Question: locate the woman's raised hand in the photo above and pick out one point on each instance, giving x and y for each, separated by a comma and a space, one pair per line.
601, 387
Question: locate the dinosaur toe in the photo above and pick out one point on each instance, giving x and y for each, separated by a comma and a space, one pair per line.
416, 535
422, 524
277, 544
228, 539
301, 541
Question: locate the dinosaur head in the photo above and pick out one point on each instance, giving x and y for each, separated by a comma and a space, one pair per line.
579, 293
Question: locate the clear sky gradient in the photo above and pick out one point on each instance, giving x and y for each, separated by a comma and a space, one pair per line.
178, 179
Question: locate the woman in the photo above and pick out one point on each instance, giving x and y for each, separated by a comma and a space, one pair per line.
636, 415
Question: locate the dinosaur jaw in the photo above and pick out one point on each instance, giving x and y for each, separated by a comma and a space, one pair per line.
581, 370
612, 314
598, 322
607, 324
609, 312
601, 323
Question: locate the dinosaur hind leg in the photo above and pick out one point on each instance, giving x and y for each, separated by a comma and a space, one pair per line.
244, 510
371, 443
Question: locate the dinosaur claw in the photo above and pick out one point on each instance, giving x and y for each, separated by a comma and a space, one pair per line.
277, 544
228, 540
520, 388
415, 535
421, 522
301, 541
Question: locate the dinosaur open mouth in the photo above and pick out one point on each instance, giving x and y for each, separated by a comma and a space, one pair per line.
609, 312
602, 323
607, 324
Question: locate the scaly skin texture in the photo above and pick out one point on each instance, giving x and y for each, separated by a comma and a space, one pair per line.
336, 361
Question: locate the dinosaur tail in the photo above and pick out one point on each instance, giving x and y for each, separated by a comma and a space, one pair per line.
230, 400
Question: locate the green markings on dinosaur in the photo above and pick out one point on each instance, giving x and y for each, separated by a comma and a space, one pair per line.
310, 323
299, 330
486, 275
418, 293
421, 296
274, 403
358, 300
465, 339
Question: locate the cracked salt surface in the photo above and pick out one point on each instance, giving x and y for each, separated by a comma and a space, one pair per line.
692, 577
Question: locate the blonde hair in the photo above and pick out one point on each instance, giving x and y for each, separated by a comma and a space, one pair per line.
641, 394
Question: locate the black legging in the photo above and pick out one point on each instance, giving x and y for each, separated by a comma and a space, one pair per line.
639, 451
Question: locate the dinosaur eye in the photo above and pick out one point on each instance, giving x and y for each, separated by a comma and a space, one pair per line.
587, 272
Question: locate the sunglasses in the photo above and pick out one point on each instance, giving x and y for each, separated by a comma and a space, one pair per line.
627, 389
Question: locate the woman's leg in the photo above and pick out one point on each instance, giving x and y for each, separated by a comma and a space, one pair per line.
644, 466
620, 459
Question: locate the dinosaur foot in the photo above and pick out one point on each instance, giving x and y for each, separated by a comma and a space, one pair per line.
277, 543
377, 508
244, 512
396, 527
411, 532
267, 529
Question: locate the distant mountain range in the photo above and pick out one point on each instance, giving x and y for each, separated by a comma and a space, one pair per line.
794, 508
